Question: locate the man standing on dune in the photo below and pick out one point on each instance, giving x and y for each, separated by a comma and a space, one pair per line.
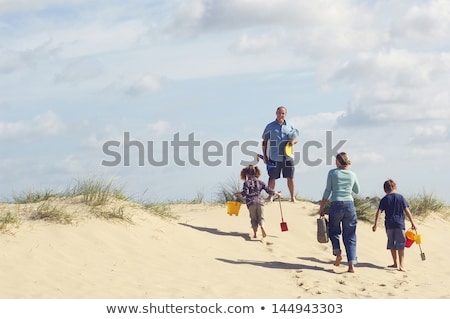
276, 136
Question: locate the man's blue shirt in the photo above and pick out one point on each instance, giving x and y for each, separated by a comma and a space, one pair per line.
277, 135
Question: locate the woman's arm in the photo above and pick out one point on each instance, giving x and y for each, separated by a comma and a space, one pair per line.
355, 187
322, 206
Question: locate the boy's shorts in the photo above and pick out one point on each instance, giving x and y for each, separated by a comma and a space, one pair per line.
286, 167
396, 238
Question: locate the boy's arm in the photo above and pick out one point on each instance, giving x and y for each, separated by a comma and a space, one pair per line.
377, 215
409, 215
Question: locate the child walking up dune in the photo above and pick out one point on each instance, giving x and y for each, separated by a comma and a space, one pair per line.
395, 207
251, 190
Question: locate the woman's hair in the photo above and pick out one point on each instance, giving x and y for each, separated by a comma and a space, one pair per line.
343, 160
250, 171
389, 186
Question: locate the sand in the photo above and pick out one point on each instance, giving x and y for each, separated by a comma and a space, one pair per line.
206, 253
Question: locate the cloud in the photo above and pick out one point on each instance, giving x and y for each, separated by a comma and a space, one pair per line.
12, 60
78, 28
424, 23
146, 84
41, 126
259, 44
319, 120
431, 134
201, 16
351, 45
158, 128
309, 28
18, 6
82, 70
396, 86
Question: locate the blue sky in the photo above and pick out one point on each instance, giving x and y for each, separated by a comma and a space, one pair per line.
75, 74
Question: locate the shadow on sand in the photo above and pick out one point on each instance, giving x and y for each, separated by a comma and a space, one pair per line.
270, 264
292, 266
359, 265
216, 231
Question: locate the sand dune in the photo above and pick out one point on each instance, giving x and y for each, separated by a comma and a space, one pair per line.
205, 253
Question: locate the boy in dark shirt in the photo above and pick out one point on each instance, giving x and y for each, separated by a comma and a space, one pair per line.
395, 207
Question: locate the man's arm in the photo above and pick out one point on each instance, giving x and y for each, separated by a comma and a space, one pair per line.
293, 136
264, 150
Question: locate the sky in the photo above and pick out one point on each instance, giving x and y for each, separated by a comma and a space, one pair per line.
169, 99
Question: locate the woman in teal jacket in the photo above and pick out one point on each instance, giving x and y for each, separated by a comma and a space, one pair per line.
341, 184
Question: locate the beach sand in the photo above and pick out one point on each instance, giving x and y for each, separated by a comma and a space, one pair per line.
206, 253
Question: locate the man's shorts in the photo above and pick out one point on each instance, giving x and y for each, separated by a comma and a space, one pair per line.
286, 167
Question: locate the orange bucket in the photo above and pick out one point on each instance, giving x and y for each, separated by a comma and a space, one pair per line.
233, 208
410, 234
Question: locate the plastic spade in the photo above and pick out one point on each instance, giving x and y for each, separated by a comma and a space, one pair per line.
284, 226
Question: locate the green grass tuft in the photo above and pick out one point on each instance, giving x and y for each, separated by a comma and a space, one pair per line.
115, 213
47, 211
30, 197
423, 204
227, 190
160, 209
97, 191
7, 221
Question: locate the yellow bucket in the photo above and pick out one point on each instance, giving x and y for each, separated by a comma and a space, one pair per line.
233, 208
418, 239
410, 234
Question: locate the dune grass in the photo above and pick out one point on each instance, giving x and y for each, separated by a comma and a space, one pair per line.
96, 191
421, 206
114, 213
29, 197
106, 200
159, 209
424, 204
8, 221
51, 212
226, 191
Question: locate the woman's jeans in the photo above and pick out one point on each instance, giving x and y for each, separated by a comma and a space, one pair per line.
342, 216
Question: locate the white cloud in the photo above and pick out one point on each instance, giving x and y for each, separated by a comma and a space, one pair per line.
158, 128
12, 60
82, 70
41, 126
318, 121
147, 83
259, 44
396, 85
96, 37
204, 15
427, 22
18, 6
437, 133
